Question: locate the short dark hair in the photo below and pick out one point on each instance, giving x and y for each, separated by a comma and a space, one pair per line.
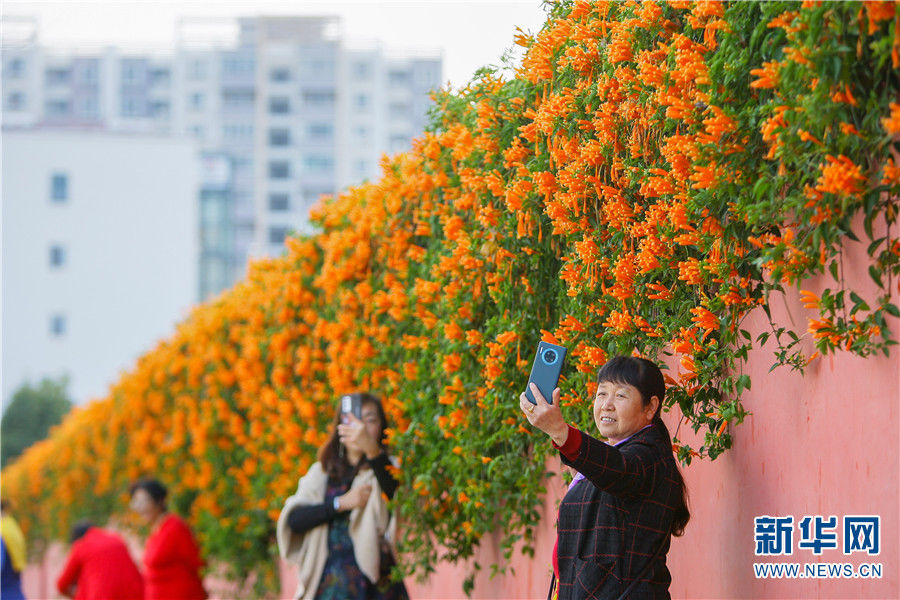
153, 487
638, 372
79, 529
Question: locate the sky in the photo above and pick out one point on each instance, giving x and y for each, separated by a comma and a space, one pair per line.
469, 34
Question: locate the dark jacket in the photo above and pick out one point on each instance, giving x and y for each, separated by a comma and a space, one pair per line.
612, 523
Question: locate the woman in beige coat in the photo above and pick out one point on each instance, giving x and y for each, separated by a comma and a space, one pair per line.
336, 526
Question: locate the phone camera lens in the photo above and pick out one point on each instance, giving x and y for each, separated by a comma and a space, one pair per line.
549, 356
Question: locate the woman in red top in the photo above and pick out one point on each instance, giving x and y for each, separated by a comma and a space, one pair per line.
99, 567
172, 560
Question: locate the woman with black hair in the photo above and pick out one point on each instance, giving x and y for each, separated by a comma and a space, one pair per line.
172, 560
627, 498
336, 527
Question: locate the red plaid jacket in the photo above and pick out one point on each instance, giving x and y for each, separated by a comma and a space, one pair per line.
611, 524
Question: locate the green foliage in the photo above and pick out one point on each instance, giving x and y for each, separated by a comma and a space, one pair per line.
31, 413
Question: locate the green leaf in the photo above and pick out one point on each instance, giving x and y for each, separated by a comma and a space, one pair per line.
875, 274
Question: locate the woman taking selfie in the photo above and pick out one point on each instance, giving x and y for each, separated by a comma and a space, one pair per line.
334, 526
627, 497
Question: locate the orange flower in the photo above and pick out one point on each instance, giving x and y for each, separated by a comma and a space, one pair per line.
840, 176
452, 363
892, 123
452, 331
507, 337
689, 271
767, 75
705, 320
809, 299
879, 10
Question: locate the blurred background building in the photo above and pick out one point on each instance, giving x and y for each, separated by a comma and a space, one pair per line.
99, 251
210, 153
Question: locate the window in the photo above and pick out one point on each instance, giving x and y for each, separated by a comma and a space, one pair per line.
361, 132
279, 202
59, 187
197, 70
237, 65
15, 68
398, 109
279, 137
318, 98
57, 108
90, 107
237, 99
130, 107
277, 235
279, 169
280, 74
160, 76
197, 101
129, 71
159, 108
279, 105
238, 132
57, 256
361, 101
362, 167
362, 70
57, 325
58, 75
398, 78
15, 101
320, 66
320, 130
318, 162
425, 76
198, 131
89, 74
243, 167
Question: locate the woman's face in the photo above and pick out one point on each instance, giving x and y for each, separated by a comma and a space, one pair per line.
619, 411
143, 504
371, 421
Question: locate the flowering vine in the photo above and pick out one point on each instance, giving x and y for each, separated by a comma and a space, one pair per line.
652, 174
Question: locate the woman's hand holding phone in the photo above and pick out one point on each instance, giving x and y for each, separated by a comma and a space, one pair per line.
352, 434
545, 416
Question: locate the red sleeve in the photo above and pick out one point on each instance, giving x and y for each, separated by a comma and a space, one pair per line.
71, 571
572, 445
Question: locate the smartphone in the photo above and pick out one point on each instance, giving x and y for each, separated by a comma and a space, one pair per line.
351, 405
545, 371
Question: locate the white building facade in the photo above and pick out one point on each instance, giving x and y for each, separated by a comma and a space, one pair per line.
100, 252
297, 111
